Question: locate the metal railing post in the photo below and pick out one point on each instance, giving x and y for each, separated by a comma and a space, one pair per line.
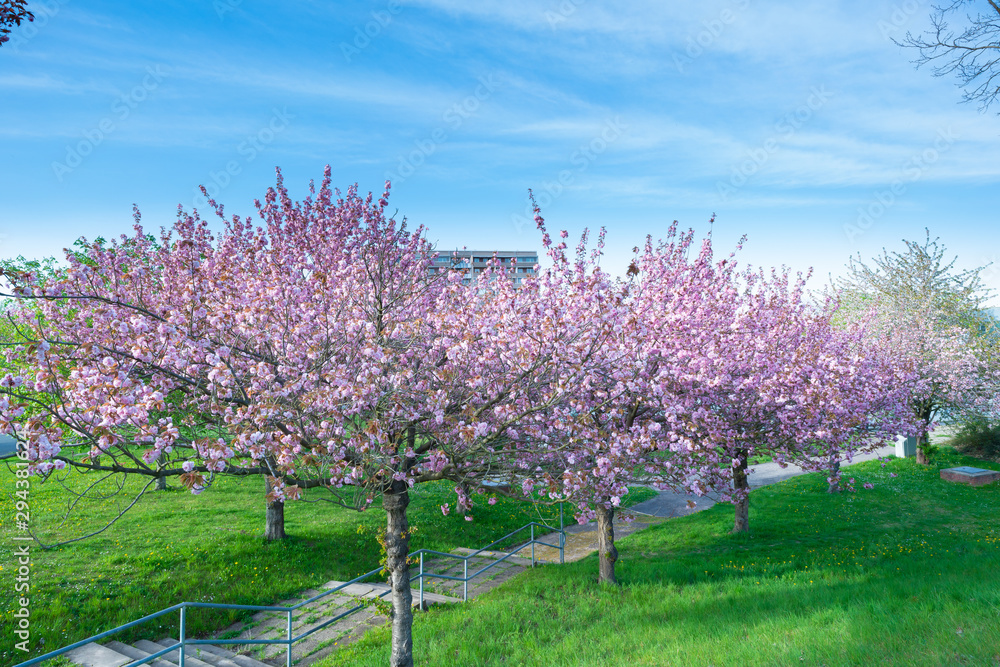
180, 659
421, 581
562, 537
465, 593
288, 658
532, 545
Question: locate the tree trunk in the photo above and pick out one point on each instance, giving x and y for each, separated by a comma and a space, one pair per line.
606, 550
924, 439
161, 482
742, 492
834, 475
921, 452
397, 551
274, 522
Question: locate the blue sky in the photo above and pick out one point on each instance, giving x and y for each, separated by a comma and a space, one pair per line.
800, 124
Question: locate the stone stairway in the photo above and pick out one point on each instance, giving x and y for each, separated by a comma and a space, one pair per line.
453, 567
116, 654
274, 625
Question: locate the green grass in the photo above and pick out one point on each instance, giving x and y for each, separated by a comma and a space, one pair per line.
174, 546
903, 574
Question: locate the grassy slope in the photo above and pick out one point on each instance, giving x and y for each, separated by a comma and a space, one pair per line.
904, 574
174, 546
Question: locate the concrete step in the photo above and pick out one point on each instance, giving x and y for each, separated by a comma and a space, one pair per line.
200, 652
498, 572
221, 654
348, 634
523, 558
173, 658
383, 590
137, 654
303, 649
95, 655
272, 625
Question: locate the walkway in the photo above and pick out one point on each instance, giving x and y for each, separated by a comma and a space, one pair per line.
581, 540
669, 504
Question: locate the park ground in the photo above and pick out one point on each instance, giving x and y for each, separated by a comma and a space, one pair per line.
901, 574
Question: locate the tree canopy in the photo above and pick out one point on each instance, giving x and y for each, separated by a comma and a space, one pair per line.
13, 13
971, 52
918, 302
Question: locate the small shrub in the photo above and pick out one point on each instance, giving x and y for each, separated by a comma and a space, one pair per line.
978, 438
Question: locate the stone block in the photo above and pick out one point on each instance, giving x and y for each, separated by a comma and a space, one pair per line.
970, 475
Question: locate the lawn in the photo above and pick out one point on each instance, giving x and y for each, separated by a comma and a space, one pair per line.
902, 574
174, 546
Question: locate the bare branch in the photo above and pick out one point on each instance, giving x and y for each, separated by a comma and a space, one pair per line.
96, 532
973, 54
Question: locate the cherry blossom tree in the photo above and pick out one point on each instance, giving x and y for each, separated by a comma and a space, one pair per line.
615, 431
867, 385
917, 304
563, 451
41, 273
771, 378
704, 367
640, 383
316, 349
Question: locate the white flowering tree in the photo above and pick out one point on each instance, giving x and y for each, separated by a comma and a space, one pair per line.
919, 305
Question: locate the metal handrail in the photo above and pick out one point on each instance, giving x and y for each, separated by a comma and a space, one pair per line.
182, 607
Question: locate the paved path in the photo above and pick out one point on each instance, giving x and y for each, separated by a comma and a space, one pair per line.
581, 540
670, 504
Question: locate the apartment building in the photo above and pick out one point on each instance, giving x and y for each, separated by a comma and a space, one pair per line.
518, 263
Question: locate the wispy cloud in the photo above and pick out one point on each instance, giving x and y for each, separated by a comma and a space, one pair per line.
705, 91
